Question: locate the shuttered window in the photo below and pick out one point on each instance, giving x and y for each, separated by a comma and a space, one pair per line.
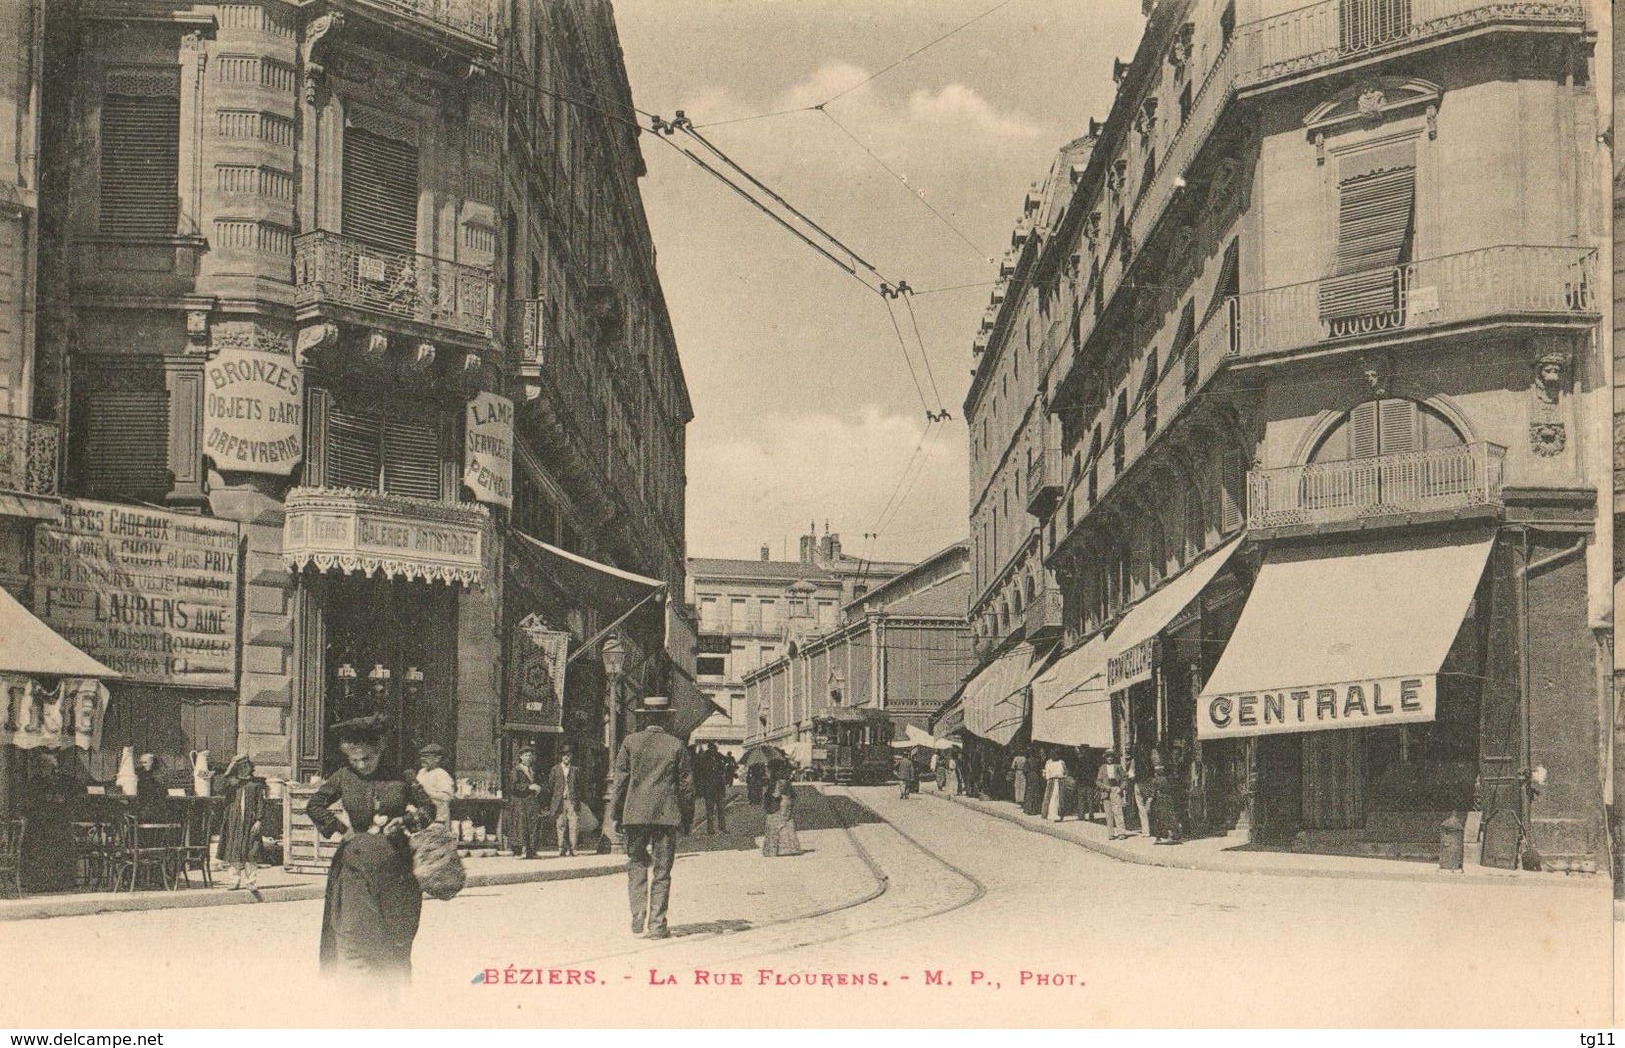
1184, 335
380, 190
1376, 205
1148, 393
122, 435
140, 153
1392, 426
369, 452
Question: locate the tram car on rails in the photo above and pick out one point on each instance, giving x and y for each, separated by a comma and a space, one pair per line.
852, 745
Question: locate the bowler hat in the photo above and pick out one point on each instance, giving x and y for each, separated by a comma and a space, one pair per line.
654, 704
433, 749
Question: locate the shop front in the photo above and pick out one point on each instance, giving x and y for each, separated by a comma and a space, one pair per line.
997, 708
1362, 682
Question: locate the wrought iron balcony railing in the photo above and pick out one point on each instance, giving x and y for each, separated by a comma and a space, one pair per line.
1042, 616
471, 18
331, 269
28, 456
1465, 476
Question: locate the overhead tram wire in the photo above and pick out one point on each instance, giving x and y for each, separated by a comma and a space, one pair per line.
918, 50
908, 294
902, 345
911, 480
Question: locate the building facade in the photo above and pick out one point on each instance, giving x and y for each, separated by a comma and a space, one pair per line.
354, 300
1330, 528
903, 647
750, 613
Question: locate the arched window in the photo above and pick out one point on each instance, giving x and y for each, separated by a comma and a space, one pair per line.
1392, 426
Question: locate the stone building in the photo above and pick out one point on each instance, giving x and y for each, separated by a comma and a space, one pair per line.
1331, 526
364, 291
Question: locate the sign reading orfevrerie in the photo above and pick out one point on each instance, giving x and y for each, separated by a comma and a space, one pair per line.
150, 594
1132, 666
1351, 704
253, 412
488, 449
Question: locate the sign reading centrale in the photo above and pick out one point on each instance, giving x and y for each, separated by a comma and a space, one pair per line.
356, 531
488, 449
253, 419
1352, 704
150, 594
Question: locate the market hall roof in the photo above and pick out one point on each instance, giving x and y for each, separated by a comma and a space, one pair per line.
31, 647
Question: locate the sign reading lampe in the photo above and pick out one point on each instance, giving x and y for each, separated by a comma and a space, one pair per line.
369, 533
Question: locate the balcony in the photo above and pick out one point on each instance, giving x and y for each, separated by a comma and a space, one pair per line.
332, 271
1508, 281
1042, 617
444, 21
527, 323
1439, 483
28, 467
1046, 480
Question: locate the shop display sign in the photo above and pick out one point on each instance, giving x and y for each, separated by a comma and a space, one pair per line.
36, 717
253, 412
355, 531
1353, 704
536, 687
1132, 666
488, 449
150, 594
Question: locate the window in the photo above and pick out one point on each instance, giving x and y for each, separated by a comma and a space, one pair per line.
826, 613
140, 152
770, 613
739, 614
740, 665
1375, 212
1119, 425
708, 614
369, 451
120, 440
1148, 393
380, 190
710, 666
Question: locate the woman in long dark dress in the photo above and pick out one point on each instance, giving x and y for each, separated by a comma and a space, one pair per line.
525, 818
373, 902
779, 813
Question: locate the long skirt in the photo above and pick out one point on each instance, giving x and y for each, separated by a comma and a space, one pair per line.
525, 825
1053, 792
1033, 797
779, 834
1167, 801
372, 909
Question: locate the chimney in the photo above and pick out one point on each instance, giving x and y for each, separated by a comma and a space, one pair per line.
767, 553
824, 547
835, 547
808, 544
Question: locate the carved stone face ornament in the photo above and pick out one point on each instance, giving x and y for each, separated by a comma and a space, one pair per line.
1548, 429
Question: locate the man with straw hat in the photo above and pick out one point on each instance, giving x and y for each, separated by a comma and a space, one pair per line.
652, 801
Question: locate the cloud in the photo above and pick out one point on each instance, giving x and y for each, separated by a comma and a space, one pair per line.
962, 106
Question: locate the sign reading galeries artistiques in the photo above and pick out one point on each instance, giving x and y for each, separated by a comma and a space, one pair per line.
488, 449
253, 412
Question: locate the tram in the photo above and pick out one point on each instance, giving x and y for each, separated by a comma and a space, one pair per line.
852, 745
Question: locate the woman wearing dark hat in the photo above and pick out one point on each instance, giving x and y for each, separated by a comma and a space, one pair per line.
245, 813
373, 902
523, 821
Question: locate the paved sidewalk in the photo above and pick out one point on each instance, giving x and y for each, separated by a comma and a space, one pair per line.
1225, 855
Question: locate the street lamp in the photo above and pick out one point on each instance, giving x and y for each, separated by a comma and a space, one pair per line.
614, 657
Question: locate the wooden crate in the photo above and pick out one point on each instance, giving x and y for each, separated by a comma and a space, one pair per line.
304, 850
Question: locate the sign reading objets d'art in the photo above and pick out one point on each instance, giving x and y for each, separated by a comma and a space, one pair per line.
488, 449
1351, 704
358, 531
536, 688
253, 412
150, 594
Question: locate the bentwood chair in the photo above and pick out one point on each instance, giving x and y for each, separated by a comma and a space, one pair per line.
94, 842
197, 826
147, 848
11, 855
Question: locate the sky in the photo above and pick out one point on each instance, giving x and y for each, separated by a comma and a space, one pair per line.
805, 410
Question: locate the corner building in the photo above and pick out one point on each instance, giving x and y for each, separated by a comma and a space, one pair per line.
1331, 526
351, 279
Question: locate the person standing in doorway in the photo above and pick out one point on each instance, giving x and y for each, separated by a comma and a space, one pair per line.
524, 816
564, 790
652, 801
436, 781
1109, 788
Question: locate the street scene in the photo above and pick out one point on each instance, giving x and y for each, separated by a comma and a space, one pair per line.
987, 513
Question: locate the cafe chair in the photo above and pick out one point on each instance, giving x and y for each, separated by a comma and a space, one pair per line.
93, 846
11, 854
150, 848
197, 827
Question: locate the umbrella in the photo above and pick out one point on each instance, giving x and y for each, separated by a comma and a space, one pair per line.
763, 754
916, 737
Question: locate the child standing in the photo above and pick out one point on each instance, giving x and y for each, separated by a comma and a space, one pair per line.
245, 812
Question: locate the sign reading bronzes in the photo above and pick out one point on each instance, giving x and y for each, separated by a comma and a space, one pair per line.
1351, 704
150, 594
488, 449
1132, 666
356, 531
253, 412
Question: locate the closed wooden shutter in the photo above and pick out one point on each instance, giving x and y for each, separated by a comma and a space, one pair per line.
124, 439
352, 450
1374, 222
1148, 392
411, 459
1229, 283
1362, 427
1183, 337
140, 153
1232, 484
380, 190
1398, 427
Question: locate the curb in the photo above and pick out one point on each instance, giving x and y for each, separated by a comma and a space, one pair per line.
1174, 862
70, 906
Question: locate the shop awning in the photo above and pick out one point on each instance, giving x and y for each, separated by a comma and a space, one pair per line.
1127, 652
996, 698
587, 579
950, 720
1071, 706
1350, 636
31, 647
691, 706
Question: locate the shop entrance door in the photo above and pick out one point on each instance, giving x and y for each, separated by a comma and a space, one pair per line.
400, 639
1333, 780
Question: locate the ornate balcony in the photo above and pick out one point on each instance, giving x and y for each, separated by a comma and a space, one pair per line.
1046, 480
469, 21
1508, 281
1042, 617
1453, 481
28, 466
332, 271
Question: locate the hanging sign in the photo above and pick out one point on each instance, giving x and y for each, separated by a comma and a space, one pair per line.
37, 717
488, 449
1131, 666
1352, 704
150, 594
536, 684
253, 412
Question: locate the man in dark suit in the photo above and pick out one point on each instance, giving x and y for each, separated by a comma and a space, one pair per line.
652, 801
564, 790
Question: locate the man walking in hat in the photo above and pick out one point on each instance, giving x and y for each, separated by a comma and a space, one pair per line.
652, 801
564, 790
436, 781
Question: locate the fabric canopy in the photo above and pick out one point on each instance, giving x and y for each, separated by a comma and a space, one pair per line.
950, 720
691, 706
915, 736
1071, 706
585, 579
996, 698
29, 646
1153, 614
1344, 638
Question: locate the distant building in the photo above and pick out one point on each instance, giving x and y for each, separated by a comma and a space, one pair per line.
751, 612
